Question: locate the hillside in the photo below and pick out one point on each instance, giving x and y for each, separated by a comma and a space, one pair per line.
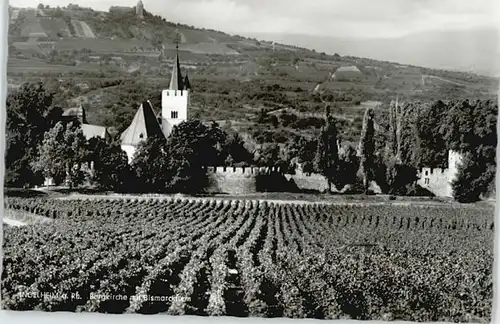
110, 61
473, 50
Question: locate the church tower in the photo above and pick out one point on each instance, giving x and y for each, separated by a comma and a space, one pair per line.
175, 99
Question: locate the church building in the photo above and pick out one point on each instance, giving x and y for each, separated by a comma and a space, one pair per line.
174, 110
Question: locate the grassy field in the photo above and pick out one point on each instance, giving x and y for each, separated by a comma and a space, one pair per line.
102, 45
55, 27
204, 48
15, 65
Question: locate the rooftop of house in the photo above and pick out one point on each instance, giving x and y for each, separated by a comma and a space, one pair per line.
90, 131
351, 68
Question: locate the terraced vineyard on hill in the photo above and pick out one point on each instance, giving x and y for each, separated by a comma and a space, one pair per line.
251, 258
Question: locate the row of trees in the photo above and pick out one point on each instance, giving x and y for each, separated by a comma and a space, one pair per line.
159, 165
39, 145
389, 153
29, 115
422, 135
413, 137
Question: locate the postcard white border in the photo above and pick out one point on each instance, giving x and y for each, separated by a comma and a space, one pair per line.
26, 317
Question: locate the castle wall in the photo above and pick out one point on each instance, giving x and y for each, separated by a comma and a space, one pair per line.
233, 180
313, 181
437, 181
242, 180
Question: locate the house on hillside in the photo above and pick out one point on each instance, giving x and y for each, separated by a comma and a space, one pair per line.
439, 181
89, 131
347, 73
174, 110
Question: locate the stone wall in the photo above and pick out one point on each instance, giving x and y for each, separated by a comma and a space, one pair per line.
243, 180
232, 180
308, 181
437, 181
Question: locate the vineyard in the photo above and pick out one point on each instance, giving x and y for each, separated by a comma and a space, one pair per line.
251, 258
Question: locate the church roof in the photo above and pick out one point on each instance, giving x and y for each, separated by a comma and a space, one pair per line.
143, 126
90, 131
176, 81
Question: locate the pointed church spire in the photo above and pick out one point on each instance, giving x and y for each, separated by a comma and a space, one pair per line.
176, 82
187, 84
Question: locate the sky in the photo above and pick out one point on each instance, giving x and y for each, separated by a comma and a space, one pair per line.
339, 18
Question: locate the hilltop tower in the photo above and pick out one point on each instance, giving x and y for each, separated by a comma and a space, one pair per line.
139, 10
175, 99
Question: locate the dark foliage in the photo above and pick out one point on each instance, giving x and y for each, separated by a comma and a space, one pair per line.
367, 149
327, 156
177, 164
29, 115
111, 169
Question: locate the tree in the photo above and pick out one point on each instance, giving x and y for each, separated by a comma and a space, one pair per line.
206, 142
367, 149
62, 152
270, 156
326, 158
471, 129
58, 12
473, 179
177, 164
111, 170
287, 118
192, 146
395, 124
458, 127
150, 165
263, 116
348, 167
274, 120
29, 115
432, 146
236, 152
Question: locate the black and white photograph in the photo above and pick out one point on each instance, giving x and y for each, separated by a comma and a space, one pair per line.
322, 160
